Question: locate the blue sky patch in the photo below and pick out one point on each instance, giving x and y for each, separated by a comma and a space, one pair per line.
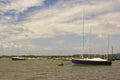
48, 3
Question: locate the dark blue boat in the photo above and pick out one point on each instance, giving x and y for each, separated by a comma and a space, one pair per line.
94, 61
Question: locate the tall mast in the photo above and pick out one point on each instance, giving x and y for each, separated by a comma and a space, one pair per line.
108, 42
112, 52
108, 46
83, 28
83, 33
90, 42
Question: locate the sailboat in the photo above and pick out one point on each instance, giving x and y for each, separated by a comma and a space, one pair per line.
92, 61
112, 58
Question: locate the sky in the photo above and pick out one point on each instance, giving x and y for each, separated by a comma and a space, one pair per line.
59, 27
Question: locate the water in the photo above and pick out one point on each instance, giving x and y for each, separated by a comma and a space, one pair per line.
49, 70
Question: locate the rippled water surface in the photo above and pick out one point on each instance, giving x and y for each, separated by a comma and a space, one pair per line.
49, 70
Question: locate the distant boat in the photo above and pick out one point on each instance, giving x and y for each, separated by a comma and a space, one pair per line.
118, 58
112, 56
93, 61
66, 59
18, 58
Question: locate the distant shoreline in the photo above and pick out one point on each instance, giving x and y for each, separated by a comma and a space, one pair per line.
65, 56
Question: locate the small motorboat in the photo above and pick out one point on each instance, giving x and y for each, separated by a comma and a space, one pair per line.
18, 58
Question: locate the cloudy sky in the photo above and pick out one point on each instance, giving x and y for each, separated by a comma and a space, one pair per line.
55, 27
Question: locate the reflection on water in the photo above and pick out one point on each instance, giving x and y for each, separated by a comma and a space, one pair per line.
49, 70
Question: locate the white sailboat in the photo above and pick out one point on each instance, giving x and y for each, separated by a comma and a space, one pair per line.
88, 61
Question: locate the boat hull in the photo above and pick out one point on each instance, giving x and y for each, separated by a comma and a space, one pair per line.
18, 58
117, 59
87, 62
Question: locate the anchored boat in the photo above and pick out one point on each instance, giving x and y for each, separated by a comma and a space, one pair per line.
93, 61
18, 58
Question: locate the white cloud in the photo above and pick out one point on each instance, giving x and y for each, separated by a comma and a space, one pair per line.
60, 19
47, 22
21, 5
65, 19
100, 36
48, 49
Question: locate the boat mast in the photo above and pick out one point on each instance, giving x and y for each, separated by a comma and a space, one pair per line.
83, 28
83, 32
112, 52
90, 42
108, 42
